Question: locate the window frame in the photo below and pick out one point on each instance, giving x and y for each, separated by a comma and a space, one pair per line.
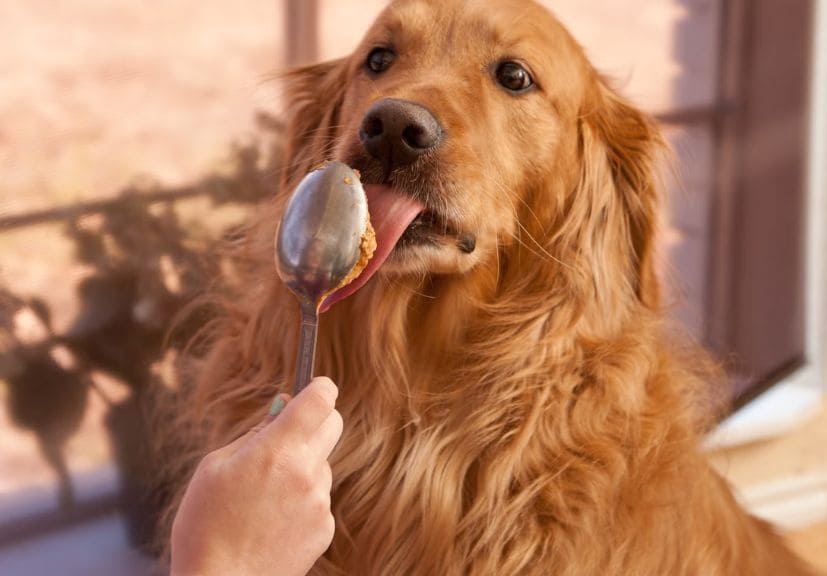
801, 394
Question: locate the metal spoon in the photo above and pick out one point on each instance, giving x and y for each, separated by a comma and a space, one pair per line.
317, 245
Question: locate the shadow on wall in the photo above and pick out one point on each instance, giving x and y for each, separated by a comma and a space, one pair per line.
146, 267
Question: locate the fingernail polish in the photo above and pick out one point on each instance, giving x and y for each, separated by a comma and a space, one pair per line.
277, 406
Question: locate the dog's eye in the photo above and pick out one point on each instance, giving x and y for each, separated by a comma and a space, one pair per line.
513, 77
380, 59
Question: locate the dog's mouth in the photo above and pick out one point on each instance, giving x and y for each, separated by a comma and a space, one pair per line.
427, 228
401, 223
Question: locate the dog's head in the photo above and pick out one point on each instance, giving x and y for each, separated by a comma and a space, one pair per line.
484, 137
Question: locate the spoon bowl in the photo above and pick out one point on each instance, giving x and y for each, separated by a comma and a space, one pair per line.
318, 243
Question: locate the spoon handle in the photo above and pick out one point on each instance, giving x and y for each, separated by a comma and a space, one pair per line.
307, 347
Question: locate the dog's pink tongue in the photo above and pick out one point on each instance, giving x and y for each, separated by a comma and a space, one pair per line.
390, 215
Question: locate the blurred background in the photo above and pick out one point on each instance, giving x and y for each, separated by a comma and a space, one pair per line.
135, 138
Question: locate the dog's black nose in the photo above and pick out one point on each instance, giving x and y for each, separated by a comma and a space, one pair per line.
397, 132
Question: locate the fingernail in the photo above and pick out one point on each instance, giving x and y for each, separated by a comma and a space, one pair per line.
277, 406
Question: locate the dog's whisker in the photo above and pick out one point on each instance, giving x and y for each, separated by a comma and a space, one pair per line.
531, 211
325, 153
416, 292
331, 127
541, 248
497, 256
540, 251
390, 281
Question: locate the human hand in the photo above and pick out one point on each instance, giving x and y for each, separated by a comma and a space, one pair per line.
261, 504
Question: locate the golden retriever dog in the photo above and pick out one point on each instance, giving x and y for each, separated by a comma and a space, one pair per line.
513, 401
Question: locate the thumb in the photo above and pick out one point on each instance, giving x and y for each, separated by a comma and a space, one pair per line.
279, 402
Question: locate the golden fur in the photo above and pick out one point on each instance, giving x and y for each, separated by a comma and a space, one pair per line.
521, 409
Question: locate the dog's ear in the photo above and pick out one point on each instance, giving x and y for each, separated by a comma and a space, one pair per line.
620, 148
314, 96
